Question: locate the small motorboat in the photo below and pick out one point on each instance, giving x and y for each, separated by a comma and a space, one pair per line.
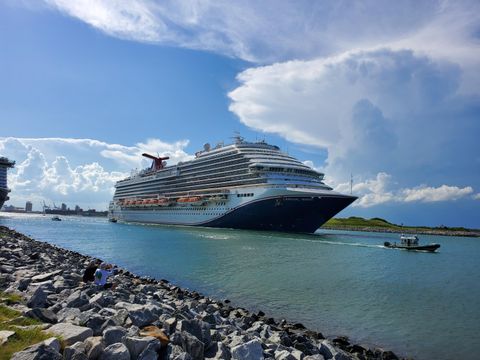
113, 220
56, 218
411, 243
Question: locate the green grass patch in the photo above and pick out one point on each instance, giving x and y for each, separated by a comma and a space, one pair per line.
361, 222
379, 223
10, 298
22, 339
10, 319
7, 314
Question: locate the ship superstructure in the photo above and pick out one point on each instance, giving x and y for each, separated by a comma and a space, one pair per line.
5, 164
246, 185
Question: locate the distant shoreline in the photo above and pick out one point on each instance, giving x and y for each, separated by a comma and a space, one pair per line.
405, 231
380, 225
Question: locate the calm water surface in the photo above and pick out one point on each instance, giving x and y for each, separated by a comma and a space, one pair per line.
340, 283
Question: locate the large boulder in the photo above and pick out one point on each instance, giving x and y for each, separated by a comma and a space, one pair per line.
93, 321
199, 329
117, 351
192, 346
218, 351
251, 350
326, 349
101, 299
71, 333
44, 315
45, 276
136, 345
76, 351
54, 343
38, 351
77, 299
113, 334
38, 299
70, 315
149, 353
94, 347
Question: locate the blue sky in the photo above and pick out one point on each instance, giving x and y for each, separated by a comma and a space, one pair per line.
388, 92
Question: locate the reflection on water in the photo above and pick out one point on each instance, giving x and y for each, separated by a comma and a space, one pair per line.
335, 282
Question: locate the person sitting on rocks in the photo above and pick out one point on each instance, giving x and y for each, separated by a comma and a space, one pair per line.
101, 275
89, 274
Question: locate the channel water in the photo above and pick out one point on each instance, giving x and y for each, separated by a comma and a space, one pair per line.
419, 305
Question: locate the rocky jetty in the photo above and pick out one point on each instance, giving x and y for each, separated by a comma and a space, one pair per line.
144, 318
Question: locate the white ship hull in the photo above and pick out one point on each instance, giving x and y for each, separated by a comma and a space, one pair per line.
262, 208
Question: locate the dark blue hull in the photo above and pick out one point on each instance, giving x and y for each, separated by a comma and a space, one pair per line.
288, 214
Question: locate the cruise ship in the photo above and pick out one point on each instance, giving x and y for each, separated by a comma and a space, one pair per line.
245, 185
5, 164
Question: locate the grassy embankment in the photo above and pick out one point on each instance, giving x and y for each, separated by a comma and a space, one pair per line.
378, 224
26, 333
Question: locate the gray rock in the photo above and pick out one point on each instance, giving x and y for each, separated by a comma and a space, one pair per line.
101, 299
239, 340
107, 323
75, 351
280, 338
149, 353
141, 317
136, 345
43, 315
116, 351
218, 351
170, 324
70, 315
284, 355
38, 299
46, 276
342, 355
251, 350
23, 284
113, 334
176, 352
71, 333
5, 335
199, 329
94, 347
46, 286
53, 342
326, 350
37, 351
120, 317
77, 299
192, 346
93, 321
314, 357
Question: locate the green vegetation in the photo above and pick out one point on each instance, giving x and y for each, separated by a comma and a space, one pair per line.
11, 319
379, 224
355, 221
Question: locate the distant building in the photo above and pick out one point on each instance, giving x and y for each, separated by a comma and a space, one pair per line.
11, 208
78, 209
28, 206
64, 207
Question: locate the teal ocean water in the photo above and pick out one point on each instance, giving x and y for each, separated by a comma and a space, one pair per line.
420, 305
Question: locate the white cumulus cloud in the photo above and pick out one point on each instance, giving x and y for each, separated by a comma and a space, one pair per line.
76, 171
382, 189
264, 31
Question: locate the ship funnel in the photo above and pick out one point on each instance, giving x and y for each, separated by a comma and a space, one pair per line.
158, 162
